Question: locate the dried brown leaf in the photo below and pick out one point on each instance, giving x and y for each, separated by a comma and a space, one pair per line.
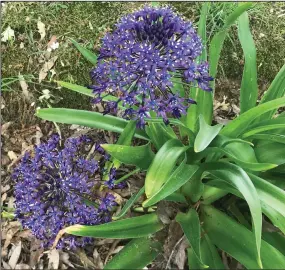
3, 198
53, 257
5, 188
180, 257
11, 202
46, 67
4, 128
41, 29
25, 234
22, 266
36, 252
64, 257
15, 254
97, 259
24, 86
6, 265
4, 160
85, 260
12, 155
9, 231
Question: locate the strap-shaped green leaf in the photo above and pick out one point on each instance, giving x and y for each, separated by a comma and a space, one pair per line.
190, 224
270, 124
140, 156
276, 240
239, 125
203, 98
129, 204
238, 179
249, 90
271, 198
177, 122
177, 179
162, 166
209, 255
276, 90
159, 134
134, 227
125, 138
269, 193
268, 137
275, 216
238, 241
205, 135
87, 54
176, 197
88, 119
271, 151
137, 254
217, 41
77, 88
254, 166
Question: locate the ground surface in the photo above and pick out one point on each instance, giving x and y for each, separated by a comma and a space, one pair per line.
36, 26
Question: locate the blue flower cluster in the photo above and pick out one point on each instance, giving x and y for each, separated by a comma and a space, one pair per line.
54, 188
140, 61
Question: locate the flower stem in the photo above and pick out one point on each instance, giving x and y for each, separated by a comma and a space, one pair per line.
126, 176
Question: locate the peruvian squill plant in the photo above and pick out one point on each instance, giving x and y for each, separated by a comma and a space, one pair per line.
225, 181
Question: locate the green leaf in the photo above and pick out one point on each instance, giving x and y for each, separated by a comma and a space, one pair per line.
125, 138
275, 123
276, 90
194, 188
134, 227
276, 240
238, 241
190, 224
236, 127
205, 135
269, 194
267, 200
249, 90
268, 137
210, 254
162, 166
140, 156
177, 179
158, 134
217, 41
203, 98
176, 197
254, 166
193, 262
76, 88
272, 151
172, 121
88, 55
238, 179
276, 218
129, 204
88, 119
137, 254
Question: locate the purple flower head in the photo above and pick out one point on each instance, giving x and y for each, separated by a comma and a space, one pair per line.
139, 62
54, 188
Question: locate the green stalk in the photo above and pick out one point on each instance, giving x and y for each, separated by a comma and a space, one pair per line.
127, 176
